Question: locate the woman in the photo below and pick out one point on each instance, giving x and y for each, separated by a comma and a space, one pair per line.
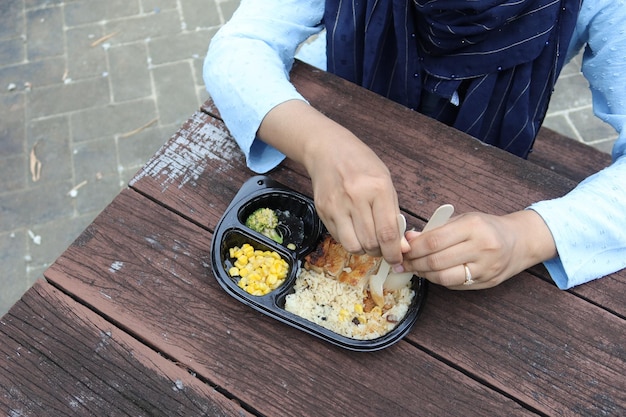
485, 67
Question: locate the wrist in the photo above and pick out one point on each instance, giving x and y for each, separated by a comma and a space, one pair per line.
534, 240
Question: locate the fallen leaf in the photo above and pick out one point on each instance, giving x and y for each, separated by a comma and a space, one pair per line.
35, 164
102, 39
139, 129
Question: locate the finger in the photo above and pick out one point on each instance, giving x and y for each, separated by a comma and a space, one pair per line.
459, 277
364, 227
386, 212
450, 277
437, 239
347, 235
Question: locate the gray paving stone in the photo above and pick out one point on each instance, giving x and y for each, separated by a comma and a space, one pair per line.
96, 194
93, 159
12, 50
13, 171
605, 145
590, 128
228, 7
64, 98
54, 238
49, 139
12, 131
83, 59
201, 92
30, 75
200, 14
197, 68
89, 11
34, 205
84, 12
31, 4
142, 27
130, 76
135, 150
189, 45
177, 96
157, 6
11, 19
111, 119
45, 33
572, 91
560, 123
12, 267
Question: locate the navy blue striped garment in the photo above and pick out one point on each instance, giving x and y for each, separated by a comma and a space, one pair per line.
486, 67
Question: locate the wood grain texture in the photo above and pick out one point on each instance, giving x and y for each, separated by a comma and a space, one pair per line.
563, 356
526, 338
566, 156
151, 276
60, 359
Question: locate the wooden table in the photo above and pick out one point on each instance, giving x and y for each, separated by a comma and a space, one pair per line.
131, 321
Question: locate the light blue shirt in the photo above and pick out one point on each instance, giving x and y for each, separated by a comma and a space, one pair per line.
247, 68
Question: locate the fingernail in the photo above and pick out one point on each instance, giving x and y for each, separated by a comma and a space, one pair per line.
398, 268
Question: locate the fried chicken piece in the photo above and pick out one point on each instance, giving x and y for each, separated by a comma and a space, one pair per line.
358, 268
329, 257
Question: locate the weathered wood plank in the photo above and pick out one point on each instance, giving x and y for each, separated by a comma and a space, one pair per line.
151, 275
553, 151
566, 156
201, 160
563, 359
60, 359
163, 261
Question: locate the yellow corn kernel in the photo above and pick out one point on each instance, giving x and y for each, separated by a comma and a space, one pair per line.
272, 279
343, 314
362, 319
260, 271
358, 308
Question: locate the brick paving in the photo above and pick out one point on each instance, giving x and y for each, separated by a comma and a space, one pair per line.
92, 88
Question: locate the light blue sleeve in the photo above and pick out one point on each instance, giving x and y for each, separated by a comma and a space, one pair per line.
246, 70
589, 223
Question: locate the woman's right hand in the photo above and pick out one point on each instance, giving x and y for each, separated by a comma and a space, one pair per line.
353, 191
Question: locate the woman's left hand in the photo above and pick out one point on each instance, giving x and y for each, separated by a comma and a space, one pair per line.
478, 250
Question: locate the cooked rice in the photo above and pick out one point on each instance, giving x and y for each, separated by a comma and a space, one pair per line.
334, 306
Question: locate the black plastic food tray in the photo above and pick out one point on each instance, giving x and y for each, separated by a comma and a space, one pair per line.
303, 228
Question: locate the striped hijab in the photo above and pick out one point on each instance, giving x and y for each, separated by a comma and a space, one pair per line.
496, 60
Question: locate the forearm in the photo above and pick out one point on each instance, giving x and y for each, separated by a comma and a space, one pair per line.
247, 65
303, 134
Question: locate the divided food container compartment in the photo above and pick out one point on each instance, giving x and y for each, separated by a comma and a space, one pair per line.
301, 230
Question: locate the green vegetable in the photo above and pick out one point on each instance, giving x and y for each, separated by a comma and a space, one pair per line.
265, 221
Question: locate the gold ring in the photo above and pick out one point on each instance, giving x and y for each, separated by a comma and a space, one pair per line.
468, 275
